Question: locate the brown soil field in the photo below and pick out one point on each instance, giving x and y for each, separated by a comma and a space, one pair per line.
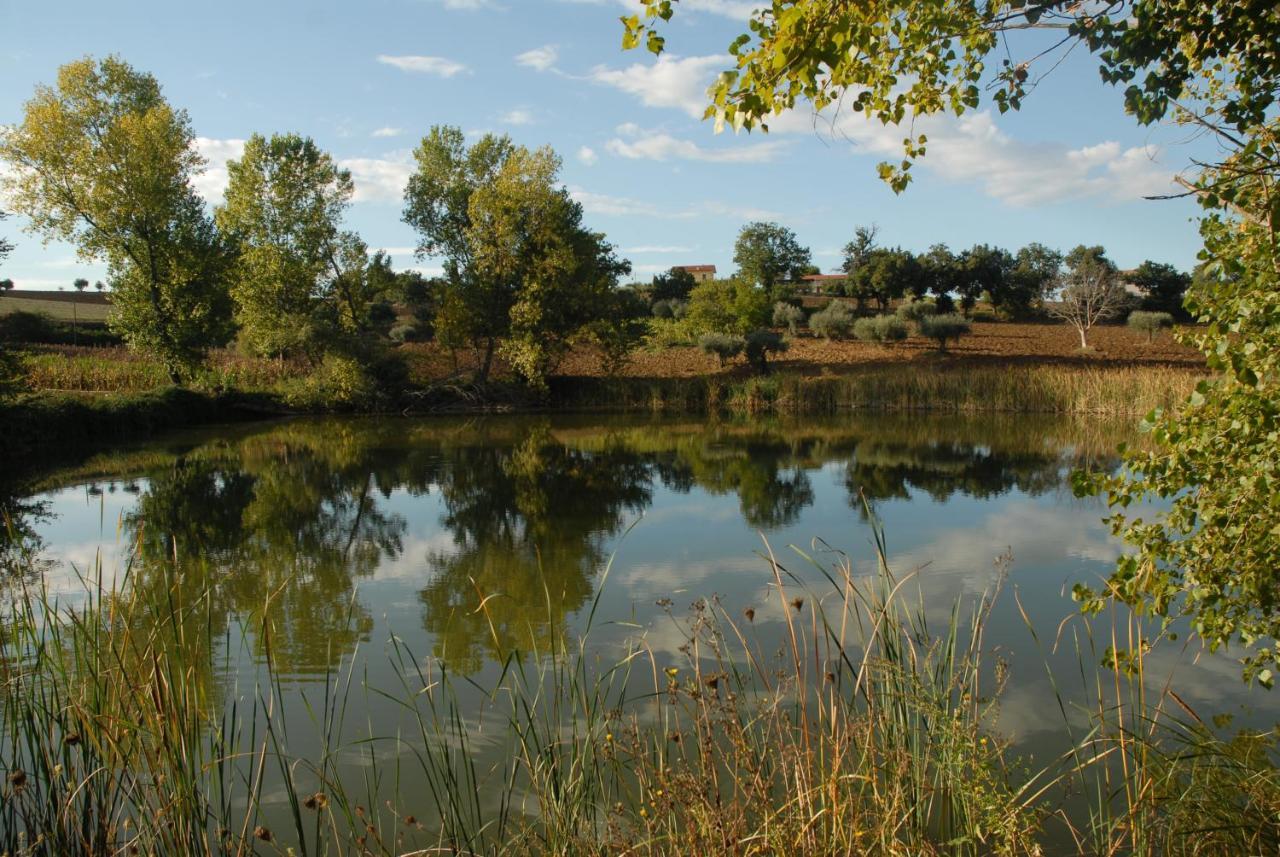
990, 344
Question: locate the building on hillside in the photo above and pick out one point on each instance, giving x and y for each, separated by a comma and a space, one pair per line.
700, 273
821, 284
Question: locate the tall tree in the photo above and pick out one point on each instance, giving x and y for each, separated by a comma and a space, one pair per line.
1035, 273
982, 269
6, 247
1163, 287
521, 270
80, 284
770, 255
298, 275
674, 284
103, 161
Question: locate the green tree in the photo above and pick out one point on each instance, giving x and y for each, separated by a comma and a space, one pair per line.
1163, 287
103, 161
1035, 273
728, 306
1090, 291
6, 284
770, 256
80, 284
982, 269
298, 274
674, 284
886, 275
520, 268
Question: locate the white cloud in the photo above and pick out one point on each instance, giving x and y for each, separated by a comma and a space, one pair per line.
212, 183
542, 58
664, 147
621, 206
678, 82
588, 156
519, 116
379, 179
466, 5
438, 66
387, 131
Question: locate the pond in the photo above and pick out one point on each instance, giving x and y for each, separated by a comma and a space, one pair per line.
343, 547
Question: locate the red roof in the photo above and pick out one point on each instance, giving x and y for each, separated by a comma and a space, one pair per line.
817, 278
695, 268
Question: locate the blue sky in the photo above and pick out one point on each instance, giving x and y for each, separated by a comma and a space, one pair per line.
367, 80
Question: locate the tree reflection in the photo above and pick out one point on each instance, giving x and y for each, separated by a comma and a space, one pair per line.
280, 524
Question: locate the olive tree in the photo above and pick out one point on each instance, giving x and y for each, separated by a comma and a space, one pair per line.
101, 160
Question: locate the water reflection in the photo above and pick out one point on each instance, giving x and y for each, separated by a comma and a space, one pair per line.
509, 520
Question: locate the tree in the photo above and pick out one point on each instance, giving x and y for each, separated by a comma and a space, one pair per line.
6, 247
982, 269
6, 284
298, 277
99, 285
857, 251
886, 275
940, 270
1162, 286
673, 285
1035, 272
520, 268
770, 256
103, 161
80, 284
728, 306
1090, 291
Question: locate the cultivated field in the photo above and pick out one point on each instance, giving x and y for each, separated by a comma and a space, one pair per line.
63, 306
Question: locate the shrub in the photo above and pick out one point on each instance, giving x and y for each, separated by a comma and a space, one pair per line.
983, 315
723, 345
340, 382
759, 345
882, 328
1150, 322
942, 328
404, 333
663, 309
945, 303
834, 321
916, 310
788, 316
381, 315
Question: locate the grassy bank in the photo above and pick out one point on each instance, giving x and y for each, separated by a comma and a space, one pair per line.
868, 732
968, 389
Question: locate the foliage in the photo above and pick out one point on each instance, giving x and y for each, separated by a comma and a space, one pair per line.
724, 346
943, 328
984, 269
727, 306
672, 285
1149, 322
1162, 286
620, 328
284, 205
916, 310
834, 321
340, 382
885, 275
6, 285
104, 162
881, 328
6, 247
520, 268
1034, 274
1090, 291
770, 256
759, 344
670, 308
787, 315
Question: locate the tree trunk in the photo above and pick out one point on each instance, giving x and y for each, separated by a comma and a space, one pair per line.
1084, 333
483, 375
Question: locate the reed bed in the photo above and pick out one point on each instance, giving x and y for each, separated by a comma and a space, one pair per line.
1116, 391
867, 732
119, 370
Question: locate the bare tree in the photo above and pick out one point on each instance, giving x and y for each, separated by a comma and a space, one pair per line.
1090, 292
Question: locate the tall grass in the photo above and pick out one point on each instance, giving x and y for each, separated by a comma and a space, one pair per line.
868, 731
1024, 389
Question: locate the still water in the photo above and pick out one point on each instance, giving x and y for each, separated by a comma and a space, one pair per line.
330, 537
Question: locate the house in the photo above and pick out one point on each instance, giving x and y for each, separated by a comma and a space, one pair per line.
700, 273
821, 284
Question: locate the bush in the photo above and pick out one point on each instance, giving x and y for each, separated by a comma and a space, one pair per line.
663, 309
882, 328
759, 345
916, 310
788, 316
945, 304
340, 382
942, 328
983, 315
404, 333
382, 315
1150, 322
834, 321
723, 345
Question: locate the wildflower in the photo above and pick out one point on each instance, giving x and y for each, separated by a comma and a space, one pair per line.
644, 813
608, 736
672, 671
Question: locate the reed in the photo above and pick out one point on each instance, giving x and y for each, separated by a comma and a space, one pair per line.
869, 731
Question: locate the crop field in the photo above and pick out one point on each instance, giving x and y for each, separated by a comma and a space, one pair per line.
61, 306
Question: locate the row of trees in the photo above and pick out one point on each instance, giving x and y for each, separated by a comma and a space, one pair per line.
103, 161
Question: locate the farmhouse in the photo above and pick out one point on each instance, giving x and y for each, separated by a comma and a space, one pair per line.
700, 273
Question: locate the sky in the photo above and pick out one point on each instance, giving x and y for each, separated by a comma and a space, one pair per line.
367, 80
